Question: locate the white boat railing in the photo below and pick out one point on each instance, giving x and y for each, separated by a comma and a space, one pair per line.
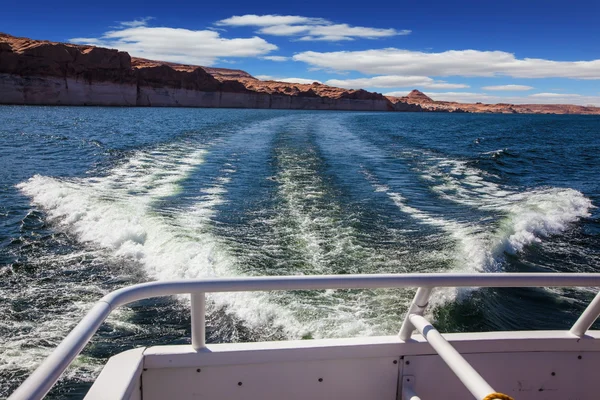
46, 375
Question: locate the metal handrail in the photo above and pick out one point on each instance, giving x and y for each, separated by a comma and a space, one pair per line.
468, 375
44, 377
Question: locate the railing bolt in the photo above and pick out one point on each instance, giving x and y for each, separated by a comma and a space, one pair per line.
320, 379
395, 361
408, 362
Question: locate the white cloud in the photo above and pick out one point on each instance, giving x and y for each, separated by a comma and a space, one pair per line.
339, 31
508, 88
554, 95
88, 41
445, 85
397, 93
285, 30
355, 31
392, 81
202, 47
276, 58
286, 80
269, 20
327, 38
298, 80
136, 22
392, 61
538, 98
310, 29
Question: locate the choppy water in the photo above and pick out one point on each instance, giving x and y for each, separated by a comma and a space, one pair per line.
92, 199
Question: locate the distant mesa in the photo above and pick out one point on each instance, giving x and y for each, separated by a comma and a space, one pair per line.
419, 96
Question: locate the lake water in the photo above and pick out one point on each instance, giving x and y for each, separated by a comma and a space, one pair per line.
93, 199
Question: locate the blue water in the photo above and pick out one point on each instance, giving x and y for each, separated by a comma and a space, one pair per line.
92, 199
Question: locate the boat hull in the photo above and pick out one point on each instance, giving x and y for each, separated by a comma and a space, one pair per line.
525, 365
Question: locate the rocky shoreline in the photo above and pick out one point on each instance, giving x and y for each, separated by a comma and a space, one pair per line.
34, 72
429, 105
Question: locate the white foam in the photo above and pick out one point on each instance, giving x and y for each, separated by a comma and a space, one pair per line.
534, 215
115, 212
528, 216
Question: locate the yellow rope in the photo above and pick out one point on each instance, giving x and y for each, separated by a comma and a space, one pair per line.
497, 396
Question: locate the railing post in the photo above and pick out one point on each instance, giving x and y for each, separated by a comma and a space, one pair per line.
418, 306
587, 317
478, 387
198, 311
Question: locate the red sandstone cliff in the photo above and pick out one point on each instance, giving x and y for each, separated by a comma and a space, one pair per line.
43, 72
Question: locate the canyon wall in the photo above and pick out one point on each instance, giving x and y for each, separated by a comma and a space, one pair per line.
46, 73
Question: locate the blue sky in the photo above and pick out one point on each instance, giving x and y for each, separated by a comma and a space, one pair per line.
524, 51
